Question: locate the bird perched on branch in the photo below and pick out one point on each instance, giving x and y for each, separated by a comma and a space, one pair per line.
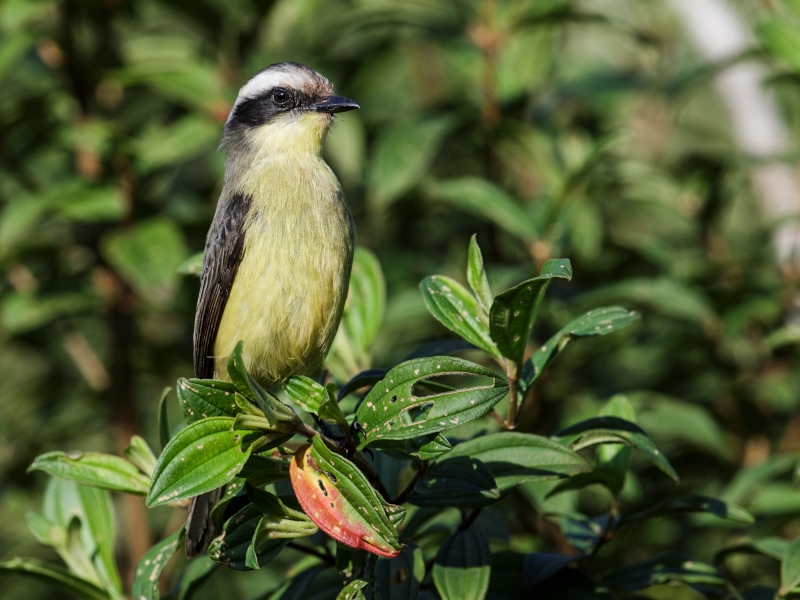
279, 251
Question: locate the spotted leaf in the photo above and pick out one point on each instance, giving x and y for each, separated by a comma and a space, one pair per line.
202, 457
393, 411
514, 311
339, 500
203, 398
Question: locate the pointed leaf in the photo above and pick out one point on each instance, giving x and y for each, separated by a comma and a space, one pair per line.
92, 468
597, 322
203, 398
339, 499
280, 416
612, 430
261, 470
514, 311
140, 454
539, 566
151, 565
476, 276
455, 308
463, 482
53, 576
463, 566
666, 568
515, 457
204, 456
391, 411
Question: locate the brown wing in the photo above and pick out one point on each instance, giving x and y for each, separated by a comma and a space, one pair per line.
223, 253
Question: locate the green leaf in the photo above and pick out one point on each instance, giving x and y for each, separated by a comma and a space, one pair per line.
340, 500
392, 411
281, 417
773, 547
192, 265
399, 578
456, 308
66, 503
515, 457
353, 590
203, 398
463, 566
140, 454
790, 567
305, 393
402, 157
486, 201
476, 276
92, 468
363, 314
597, 322
463, 482
616, 456
194, 576
514, 311
53, 576
694, 504
163, 421
279, 521
202, 457
667, 568
151, 565
612, 430
261, 470
612, 478
232, 547
147, 256
424, 447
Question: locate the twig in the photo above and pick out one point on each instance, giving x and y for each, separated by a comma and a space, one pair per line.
327, 559
402, 496
467, 522
512, 374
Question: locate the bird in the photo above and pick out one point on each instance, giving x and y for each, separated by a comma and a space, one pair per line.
279, 251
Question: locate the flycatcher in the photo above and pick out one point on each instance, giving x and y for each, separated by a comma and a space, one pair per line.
279, 251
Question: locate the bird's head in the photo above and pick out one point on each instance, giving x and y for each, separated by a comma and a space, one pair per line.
286, 107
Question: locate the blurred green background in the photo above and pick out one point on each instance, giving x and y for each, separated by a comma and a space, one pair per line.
588, 130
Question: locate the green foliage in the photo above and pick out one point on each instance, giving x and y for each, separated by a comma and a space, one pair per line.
552, 129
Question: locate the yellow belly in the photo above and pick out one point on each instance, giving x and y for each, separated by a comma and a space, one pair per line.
289, 291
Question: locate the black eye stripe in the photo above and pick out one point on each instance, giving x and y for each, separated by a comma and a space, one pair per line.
265, 107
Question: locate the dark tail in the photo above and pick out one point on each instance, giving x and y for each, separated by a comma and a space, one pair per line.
199, 528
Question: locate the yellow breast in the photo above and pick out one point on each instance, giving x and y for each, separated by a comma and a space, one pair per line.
289, 291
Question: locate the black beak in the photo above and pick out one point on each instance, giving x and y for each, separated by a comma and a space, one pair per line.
334, 104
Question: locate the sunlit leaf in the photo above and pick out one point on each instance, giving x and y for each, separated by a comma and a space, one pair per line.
94, 469
393, 411
202, 457
456, 308
140, 454
612, 430
203, 398
600, 321
476, 276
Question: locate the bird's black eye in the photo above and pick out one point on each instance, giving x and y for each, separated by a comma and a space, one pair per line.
280, 96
